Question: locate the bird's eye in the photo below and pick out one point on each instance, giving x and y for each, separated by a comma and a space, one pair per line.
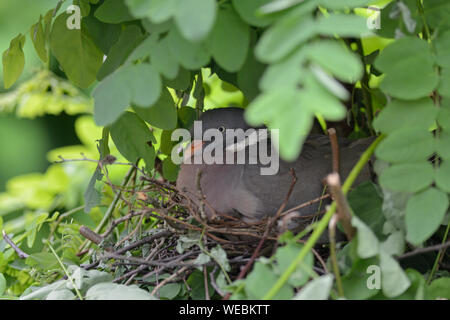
221, 129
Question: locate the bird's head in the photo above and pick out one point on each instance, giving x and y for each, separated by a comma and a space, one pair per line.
227, 123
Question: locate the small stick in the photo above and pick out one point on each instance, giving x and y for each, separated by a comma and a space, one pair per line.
424, 250
344, 211
173, 276
91, 235
334, 149
20, 253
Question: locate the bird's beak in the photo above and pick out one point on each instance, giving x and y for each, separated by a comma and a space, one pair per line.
192, 149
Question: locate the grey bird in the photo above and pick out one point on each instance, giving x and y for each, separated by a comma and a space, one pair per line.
241, 190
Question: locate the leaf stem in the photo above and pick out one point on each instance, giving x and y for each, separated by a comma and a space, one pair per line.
64, 269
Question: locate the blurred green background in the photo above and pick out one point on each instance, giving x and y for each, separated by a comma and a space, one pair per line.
24, 143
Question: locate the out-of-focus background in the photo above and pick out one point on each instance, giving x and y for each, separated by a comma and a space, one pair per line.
24, 142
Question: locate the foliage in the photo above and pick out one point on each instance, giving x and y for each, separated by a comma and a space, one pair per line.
289, 63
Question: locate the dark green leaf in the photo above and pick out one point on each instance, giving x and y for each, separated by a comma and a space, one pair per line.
133, 139
230, 40
157, 11
75, 51
261, 280
38, 38
13, 61
162, 114
113, 11
129, 39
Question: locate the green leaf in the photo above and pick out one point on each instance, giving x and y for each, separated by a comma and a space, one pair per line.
75, 51
44, 260
344, 25
169, 291
113, 291
407, 114
343, 4
442, 44
247, 9
442, 177
397, 62
132, 84
443, 117
319, 100
133, 139
105, 35
443, 144
407, 145
230, 40
190, 55
285, 35
366, 202
113, 11
197, 284
157, 11
13, 61
170, 170
393, 279
38, 38
61, 294
424, 214
283, 110
286, 255
163, 60
163, 114
335, 58
261, 280
286, 73
129, 39
438, 289
251, 72
195, 18
317, 289
408, 177
181, 81
368, 245
92, 196
444, 84
355, 281
2, 284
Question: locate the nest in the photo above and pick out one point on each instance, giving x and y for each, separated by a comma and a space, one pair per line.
179, 234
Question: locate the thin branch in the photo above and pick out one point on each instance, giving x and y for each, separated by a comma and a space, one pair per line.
334, 149
165, 281
343, 208
424, 250
20, 253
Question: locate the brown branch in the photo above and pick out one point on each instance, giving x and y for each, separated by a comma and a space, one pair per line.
20, 253
165, 281
343, 208
334, 149
424, 250
92, 236
143, 241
